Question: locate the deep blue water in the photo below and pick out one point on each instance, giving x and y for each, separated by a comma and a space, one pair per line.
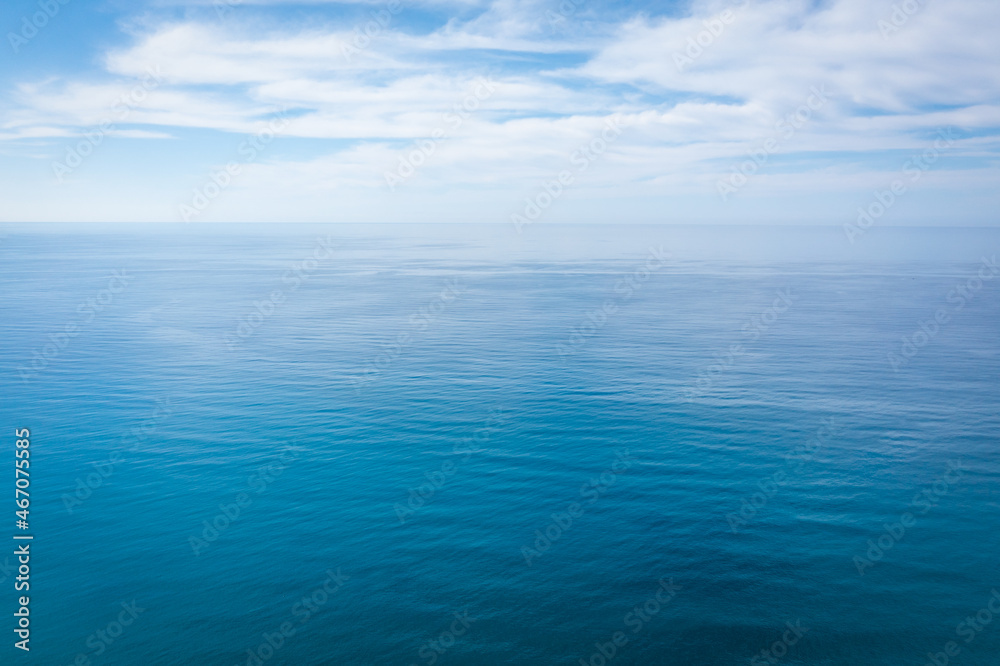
505, 386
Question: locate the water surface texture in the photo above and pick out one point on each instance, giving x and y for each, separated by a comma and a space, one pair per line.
421, 449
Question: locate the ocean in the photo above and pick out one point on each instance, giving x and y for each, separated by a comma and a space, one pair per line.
614, 445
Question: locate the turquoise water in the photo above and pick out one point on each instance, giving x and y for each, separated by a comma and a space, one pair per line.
431, 451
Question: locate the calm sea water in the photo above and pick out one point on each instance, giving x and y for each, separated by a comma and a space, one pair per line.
405, 449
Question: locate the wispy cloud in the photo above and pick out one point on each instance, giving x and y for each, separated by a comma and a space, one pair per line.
697, 91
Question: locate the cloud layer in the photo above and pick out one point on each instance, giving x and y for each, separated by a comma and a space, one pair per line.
494, 99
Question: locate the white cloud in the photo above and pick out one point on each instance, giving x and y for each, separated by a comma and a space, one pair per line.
686, 124
774, 50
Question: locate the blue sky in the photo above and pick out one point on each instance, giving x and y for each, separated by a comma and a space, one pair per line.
769, 111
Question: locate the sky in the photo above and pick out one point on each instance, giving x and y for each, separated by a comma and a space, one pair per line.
527, 112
